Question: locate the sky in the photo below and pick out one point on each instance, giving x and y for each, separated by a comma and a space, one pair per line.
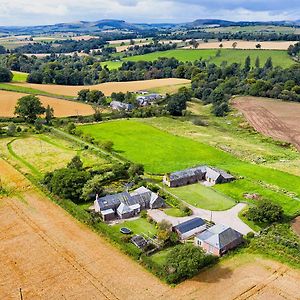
40, 12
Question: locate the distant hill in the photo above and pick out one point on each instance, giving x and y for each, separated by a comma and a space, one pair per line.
111, 24
222, 23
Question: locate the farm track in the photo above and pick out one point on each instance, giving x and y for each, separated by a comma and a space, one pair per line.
52, 256
272, 120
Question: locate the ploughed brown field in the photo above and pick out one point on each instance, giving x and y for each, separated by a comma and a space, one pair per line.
49, 255
277, 119
108, 87
62, 108
271, 45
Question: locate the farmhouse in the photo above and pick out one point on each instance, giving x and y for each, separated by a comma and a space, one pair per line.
218, 239
189, 228
126, 205
117, 105
147, 99
193, 175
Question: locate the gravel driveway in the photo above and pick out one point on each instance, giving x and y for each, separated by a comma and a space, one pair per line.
227, 217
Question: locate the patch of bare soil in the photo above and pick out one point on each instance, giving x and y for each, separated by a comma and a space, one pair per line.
296, 225
274, 118
49, 255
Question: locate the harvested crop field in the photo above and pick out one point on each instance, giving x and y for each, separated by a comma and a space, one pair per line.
107, 88
271, 45
62, 108
48, 254
274, 118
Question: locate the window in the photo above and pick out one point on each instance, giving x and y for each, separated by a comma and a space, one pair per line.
199, 242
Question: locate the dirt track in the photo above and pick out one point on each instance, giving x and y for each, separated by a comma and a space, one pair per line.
51, 256
107, 88
62, 108
274, 118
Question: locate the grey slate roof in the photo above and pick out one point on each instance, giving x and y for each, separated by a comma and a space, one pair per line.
189, 225
187, 173
113, 201
219, 236
215, 173
141, 196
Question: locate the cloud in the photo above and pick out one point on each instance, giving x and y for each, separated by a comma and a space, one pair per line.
20, 12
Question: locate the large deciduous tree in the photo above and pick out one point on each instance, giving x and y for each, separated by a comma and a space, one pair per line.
5, 75
29, 107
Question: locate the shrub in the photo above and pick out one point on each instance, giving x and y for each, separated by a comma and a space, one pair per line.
108, 146
265, 212
143, 214
185, 261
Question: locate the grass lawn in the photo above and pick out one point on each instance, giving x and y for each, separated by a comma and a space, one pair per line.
162, 152
161, 257
174, 212
137, 226
279, 57
203, 197
19, 76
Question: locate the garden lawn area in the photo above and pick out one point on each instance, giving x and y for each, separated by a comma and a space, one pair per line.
137, 226
161, 152
279, 57
161, 257
19, 76
203, 197
174, 212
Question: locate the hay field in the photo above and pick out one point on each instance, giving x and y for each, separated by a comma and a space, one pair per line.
45, 153
62, 108
270, 45
277, 119
108, 87
65, 259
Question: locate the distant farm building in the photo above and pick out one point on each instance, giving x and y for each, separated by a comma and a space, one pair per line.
189, 228
148, 99
193, 175
218, 239
126, 205
117, 105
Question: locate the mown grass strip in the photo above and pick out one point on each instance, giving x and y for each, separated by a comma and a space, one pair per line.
34, 171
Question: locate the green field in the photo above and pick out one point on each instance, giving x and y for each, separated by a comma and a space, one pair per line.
202, 197
279, 57
19, 76
162, 152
